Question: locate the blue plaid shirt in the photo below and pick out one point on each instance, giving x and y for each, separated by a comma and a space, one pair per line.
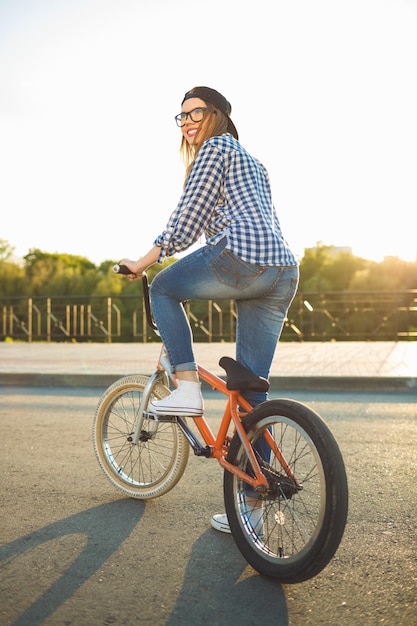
227, 195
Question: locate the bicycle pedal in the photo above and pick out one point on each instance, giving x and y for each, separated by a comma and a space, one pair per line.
160, 418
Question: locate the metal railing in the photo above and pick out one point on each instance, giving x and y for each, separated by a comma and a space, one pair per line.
313, 316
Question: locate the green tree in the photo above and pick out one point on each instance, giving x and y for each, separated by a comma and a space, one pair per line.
6, 250
390, 275
59, 274
12, 279
324, 268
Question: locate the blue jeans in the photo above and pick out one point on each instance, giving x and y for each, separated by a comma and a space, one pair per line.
262, 294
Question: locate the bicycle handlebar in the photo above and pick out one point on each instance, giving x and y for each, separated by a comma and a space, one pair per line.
123, 269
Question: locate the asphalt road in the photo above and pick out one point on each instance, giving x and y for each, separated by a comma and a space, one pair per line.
75, 551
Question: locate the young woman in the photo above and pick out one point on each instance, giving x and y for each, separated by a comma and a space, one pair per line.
227, 198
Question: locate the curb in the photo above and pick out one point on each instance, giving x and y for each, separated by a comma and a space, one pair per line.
346, 383
322, 383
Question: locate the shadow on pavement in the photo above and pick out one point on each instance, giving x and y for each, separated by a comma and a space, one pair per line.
218, 589
121, 516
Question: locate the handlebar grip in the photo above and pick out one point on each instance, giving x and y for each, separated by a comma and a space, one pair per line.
121, 269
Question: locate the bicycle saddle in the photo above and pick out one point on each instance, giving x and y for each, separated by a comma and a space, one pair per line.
240, 377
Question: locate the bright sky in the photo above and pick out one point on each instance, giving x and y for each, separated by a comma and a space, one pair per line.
323, 92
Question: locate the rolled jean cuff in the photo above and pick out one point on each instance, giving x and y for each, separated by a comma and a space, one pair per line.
186, 367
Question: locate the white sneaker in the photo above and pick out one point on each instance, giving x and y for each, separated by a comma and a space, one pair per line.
221, 523
254, 515
185, 401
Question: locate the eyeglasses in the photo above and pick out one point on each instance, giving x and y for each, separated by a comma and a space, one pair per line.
195, 115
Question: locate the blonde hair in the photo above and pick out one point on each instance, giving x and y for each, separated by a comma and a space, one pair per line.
213, 124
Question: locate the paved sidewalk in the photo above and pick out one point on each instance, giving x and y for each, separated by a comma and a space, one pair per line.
327, 365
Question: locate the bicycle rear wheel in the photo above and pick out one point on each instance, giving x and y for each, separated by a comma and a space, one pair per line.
305, 508
153, 466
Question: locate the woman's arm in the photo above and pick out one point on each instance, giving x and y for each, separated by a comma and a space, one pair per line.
197, 203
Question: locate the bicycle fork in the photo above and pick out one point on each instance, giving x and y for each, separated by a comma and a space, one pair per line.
158, 376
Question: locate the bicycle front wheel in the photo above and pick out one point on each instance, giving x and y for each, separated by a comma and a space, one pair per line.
293, 530
156, 463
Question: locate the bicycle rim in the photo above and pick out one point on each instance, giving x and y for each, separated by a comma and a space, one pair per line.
304, 511
156, 463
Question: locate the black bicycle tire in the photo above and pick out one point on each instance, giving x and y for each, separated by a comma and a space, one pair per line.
320, 549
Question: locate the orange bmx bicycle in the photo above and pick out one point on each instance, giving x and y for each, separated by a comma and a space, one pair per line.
299, 483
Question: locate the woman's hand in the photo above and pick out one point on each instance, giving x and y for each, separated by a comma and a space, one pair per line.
139, 267
135, 267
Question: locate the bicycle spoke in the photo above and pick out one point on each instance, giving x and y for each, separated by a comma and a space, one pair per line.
153, 465
300, 527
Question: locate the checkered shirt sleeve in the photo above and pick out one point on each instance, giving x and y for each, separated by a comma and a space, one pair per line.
227, 195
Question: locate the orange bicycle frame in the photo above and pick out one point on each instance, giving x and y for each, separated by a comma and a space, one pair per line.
219, 444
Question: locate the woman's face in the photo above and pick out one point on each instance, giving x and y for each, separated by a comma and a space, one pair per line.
197, 108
